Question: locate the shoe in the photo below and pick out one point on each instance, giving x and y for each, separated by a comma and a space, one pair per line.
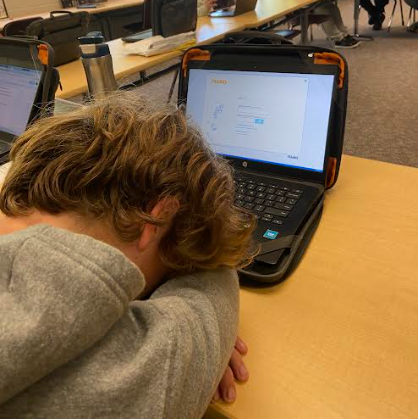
413, 27
347, 42
372, 19
379, 21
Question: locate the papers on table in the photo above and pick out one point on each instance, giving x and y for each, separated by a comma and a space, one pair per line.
159, 45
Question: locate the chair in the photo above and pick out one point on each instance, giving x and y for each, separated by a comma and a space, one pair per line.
313, 19
293, 20
393, 13
413, 4
18, 27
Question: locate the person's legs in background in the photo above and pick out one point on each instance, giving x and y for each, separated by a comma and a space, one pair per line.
380, 7
334, 27
376, 12
370, 9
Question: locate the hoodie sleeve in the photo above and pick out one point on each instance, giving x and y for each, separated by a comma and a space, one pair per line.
203, 311
156, 358
56, 301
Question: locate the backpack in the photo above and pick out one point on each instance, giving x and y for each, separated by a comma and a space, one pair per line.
171, 17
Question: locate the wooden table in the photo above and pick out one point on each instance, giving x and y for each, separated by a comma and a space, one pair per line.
339, 338
73, 78
208, 30
103, 7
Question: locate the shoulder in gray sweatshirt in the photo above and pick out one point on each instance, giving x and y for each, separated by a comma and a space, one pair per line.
75, 344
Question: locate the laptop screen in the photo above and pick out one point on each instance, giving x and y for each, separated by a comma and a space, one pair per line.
276, 118
18, 87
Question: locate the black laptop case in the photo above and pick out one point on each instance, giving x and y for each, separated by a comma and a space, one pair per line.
289, 55
62, 30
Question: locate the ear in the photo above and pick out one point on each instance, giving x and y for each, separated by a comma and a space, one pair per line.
148, 235
165, 209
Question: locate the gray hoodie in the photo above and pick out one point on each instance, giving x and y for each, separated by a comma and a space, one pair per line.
75, 344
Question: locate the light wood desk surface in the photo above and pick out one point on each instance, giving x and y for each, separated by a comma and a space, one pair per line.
208, 31
104, 7
339, 338
73, 78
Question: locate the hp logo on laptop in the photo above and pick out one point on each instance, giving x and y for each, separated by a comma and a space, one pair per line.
244, 164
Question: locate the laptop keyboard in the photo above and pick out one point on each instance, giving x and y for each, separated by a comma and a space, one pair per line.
269, 202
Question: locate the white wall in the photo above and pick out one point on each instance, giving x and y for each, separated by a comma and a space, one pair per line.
18, 8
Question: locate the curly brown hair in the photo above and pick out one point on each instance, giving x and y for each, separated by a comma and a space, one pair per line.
114, 161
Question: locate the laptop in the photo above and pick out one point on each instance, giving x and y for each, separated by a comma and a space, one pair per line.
140, 36
274, 128
19, 84
240, 7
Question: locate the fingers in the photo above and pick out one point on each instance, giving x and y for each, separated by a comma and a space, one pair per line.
216, 396
227, 386
235, 371
238, 367
241, 346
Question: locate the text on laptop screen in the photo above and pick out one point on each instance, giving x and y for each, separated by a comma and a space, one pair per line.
279, 118
18, 87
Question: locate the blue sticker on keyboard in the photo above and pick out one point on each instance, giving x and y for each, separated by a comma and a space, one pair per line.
270, 234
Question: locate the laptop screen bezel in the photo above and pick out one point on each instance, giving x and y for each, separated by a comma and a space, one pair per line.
271, 168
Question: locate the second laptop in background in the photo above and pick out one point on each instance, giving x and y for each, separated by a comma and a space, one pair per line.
240, 7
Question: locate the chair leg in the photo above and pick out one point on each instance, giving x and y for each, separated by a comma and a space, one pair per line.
392, 14
173, 83
331, 42
311, 31
400, 4
304, 23
408, 25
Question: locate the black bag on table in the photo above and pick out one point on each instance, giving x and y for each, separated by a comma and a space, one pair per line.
62, 31
171, 17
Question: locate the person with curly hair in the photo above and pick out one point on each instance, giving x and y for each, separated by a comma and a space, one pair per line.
119, 241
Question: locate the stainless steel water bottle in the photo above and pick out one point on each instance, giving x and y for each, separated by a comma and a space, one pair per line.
98, 65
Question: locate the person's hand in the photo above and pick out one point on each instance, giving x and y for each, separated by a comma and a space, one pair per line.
210, 3
236, 370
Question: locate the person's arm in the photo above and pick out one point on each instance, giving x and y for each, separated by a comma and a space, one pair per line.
56, 301
203, 309
205, 6
163, 357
